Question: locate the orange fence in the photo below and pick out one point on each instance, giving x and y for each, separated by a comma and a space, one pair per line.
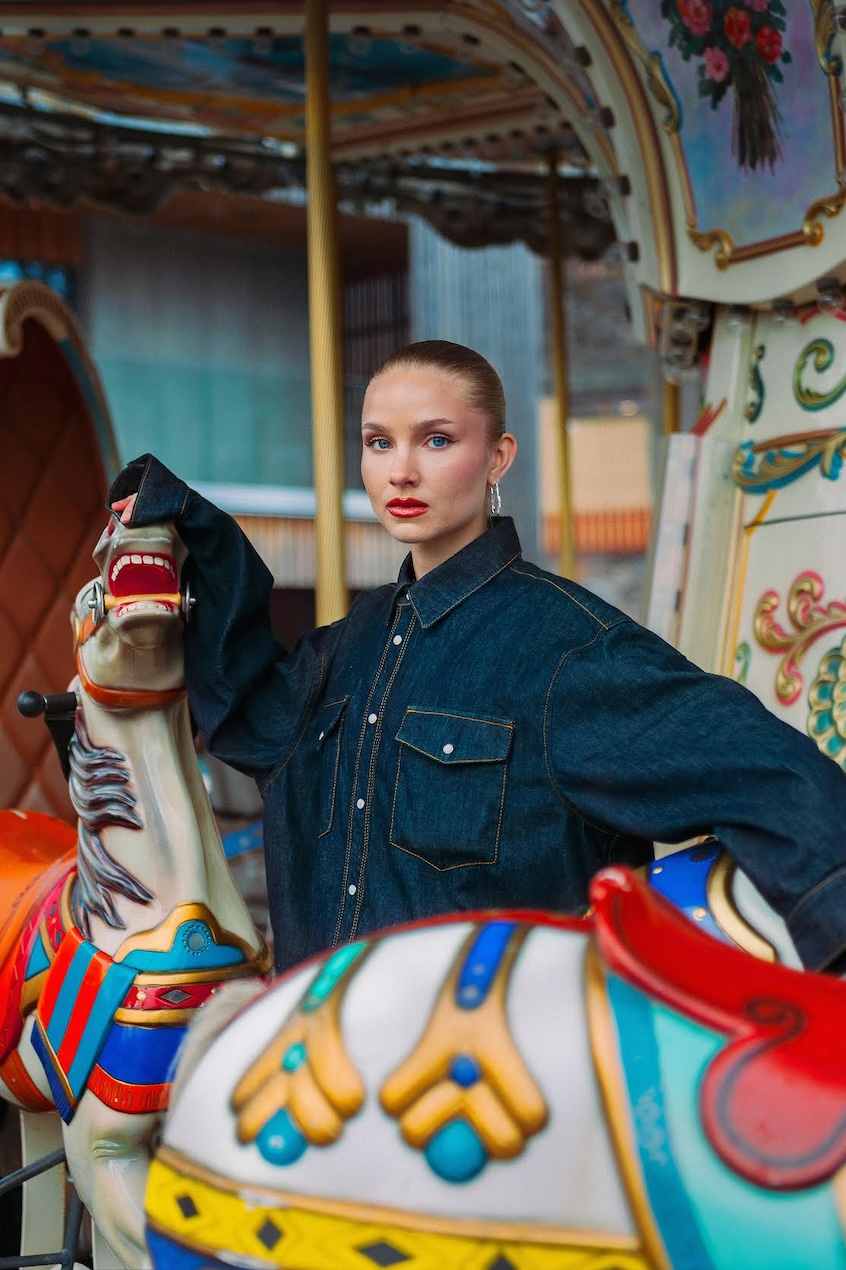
612, 532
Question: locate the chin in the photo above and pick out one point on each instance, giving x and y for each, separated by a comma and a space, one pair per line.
405, 531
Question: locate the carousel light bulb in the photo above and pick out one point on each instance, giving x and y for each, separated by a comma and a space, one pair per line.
783, 312
830, 293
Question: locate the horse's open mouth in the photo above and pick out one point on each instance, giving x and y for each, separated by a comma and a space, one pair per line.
143, 578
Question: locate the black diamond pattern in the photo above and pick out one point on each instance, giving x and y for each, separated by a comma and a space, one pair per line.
383, 1254
175, 995
502, 1263
269, 1235
187, 1207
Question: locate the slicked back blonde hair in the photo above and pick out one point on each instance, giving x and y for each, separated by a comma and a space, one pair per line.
481, 386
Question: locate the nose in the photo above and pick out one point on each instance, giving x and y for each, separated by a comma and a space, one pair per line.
403, 471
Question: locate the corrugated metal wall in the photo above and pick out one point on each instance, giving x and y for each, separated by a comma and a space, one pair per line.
492, 300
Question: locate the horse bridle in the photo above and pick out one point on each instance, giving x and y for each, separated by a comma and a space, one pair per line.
125, 698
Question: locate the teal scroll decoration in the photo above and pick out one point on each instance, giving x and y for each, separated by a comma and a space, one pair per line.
761, 466
827, 705
756, 383
742, 662
821, 353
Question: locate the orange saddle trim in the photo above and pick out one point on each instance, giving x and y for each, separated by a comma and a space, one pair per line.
37, 853
773, 1099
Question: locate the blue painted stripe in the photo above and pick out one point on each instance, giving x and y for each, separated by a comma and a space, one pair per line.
112, 993
140, 1055
482, 963
38, 959
68, 992
682, 877
57, 1089
183, 955
673, 1213
168, 1254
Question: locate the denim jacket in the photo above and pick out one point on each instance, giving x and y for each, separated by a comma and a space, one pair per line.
487, 736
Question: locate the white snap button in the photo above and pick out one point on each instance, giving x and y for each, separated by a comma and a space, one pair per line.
322, 734
398, 639
360, 804
351, 888
371, 718
448, 748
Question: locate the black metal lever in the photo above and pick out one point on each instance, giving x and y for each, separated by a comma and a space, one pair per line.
59, 710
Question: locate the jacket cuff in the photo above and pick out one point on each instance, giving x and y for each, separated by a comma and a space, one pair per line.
161, 494
818, 922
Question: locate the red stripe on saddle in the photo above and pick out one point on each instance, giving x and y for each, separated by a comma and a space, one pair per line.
20, 934
773, 1100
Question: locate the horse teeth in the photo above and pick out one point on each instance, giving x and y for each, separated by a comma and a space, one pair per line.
136, 559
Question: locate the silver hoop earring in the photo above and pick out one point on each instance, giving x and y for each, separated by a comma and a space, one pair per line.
496, 500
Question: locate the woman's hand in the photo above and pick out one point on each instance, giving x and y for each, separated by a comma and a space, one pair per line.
124, 508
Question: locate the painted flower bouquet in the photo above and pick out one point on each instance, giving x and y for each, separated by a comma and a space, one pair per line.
740, 45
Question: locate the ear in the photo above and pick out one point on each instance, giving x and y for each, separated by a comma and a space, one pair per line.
502, 456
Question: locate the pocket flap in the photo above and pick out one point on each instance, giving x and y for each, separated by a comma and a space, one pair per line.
328, 717
456, 738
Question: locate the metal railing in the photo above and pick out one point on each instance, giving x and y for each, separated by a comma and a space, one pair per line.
66, 1256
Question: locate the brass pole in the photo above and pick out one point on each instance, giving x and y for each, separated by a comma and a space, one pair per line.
324, 312
566, 557
671, 407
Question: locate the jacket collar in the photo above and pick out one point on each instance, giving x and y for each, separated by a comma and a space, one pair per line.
470, 568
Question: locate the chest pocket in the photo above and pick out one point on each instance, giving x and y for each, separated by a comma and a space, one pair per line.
329, 721
450, 788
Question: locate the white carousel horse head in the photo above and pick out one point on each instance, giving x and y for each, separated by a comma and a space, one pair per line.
134, 607
116, 947
498, 1093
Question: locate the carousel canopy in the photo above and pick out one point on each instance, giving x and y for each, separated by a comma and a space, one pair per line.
121, 113
708, 139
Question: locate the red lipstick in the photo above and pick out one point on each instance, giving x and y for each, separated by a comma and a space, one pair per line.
407, 507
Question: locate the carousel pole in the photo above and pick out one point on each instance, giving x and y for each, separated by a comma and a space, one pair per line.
671, 407
566, 556
324, 310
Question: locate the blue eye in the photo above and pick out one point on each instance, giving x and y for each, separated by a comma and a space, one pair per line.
378, 443
439, 442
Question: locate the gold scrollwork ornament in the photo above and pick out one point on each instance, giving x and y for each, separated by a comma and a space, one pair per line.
652, 63
825, 29
809, 620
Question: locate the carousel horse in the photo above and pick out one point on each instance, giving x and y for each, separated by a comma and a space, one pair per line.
516, 1091
114, 935
498, 1091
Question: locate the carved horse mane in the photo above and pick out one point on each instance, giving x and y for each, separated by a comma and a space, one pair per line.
101, 793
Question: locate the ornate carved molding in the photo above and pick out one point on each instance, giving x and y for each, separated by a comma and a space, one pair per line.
706, 239
653, 64
825, 29
770, 465
809, 621
821, 351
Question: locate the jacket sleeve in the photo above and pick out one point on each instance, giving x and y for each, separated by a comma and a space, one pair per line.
640, 741
248, 696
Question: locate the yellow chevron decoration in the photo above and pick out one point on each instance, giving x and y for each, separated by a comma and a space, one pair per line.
465, 1094
187, 1212
302, 1088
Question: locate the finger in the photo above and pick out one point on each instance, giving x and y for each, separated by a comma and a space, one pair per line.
124, 508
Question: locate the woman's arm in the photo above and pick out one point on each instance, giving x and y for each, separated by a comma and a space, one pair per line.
247, 695
643, 742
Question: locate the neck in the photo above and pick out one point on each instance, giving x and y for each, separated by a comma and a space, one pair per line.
177, 854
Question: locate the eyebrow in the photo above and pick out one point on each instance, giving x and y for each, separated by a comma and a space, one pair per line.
423, 425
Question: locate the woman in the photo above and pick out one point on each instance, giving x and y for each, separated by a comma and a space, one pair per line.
480, 734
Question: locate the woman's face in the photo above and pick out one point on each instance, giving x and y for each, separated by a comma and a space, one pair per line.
427, 461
